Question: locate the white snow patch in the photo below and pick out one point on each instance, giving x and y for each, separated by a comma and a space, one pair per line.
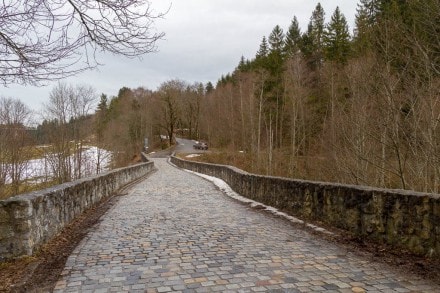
41, 170
223, 186
192, 156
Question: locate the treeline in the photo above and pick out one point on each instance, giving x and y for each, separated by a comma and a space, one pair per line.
123, 122
327, 105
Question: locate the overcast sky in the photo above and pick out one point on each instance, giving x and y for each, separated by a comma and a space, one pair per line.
204, 39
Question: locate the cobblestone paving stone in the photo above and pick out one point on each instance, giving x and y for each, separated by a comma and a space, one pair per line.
177, 232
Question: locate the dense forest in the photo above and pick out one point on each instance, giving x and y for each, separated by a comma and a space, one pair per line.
321, 104
327, 105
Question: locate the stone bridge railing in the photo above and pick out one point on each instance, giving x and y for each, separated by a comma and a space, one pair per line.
29, 220
404, 219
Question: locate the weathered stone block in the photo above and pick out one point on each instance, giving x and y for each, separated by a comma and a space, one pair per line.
426, 229
371, 224
6, 232
352, 221
4, 216
21, 209
391, 231
307, 204
23, 226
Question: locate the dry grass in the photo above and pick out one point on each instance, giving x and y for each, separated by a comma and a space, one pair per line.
282, 164
239, 160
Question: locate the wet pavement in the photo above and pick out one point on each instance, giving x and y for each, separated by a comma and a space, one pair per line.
177, 232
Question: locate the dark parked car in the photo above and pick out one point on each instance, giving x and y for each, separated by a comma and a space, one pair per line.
201, 145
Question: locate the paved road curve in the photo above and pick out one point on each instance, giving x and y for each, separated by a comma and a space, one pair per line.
177, 232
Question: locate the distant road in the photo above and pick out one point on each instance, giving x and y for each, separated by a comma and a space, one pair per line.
183, 146
186, 146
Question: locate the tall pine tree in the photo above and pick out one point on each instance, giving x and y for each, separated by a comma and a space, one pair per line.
312, 40
276, 45
337, 38
293, 38
261, 56
264, 49
362, 41
371, 9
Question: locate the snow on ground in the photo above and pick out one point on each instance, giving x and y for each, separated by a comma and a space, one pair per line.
41, 170
192, 156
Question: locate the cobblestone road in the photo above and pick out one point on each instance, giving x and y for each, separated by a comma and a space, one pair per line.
177, 232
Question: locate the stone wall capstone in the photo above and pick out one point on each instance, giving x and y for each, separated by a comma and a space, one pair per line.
404, 219
29, 220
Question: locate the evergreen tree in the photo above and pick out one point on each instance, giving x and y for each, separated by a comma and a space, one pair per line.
275, 57
262, 54
101, 119
209, 87
312, 41
263, 51
373, 16
370, 9
293, 38
243, 65
124, 92
275, 86
276, 39
337, 38
425, 26
362, 31
305, 44
102, 106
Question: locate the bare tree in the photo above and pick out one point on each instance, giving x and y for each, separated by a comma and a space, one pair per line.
57, 110
295, 90
171, 93
190, 106
68, 106
50, 39
4, 164
81, 101
14, 115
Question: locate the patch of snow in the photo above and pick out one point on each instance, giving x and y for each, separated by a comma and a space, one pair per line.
192, 156
42, 169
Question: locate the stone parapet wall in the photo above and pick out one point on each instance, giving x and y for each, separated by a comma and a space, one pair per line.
404, 219
29, 220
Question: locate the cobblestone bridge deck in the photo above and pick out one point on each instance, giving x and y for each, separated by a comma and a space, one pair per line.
177, 232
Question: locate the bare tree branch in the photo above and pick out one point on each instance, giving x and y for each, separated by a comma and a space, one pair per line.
45, 40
